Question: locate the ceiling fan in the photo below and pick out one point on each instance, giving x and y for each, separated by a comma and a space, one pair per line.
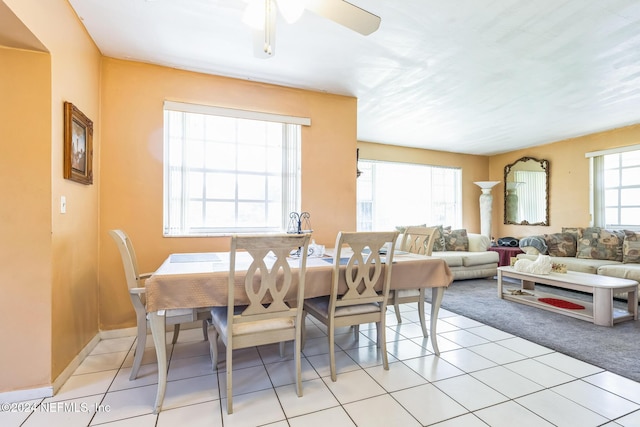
261, 16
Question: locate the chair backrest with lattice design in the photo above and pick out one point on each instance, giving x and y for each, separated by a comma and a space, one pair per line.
419, 240
370, 254
269, 276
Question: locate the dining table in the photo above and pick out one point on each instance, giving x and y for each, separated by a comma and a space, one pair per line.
200, 280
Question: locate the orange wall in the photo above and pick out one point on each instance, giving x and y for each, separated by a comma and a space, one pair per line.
25, 219
61, 275
70, 291
474, 168
568, 179
131, 172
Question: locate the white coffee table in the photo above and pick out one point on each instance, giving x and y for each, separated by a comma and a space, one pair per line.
600, 312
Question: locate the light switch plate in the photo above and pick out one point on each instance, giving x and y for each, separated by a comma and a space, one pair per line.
63, 204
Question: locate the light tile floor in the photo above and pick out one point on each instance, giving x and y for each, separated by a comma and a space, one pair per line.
483, 377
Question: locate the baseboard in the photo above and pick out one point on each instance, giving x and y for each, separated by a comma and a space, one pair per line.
132, 332
119, 333
73, 365
24, 395
49, 391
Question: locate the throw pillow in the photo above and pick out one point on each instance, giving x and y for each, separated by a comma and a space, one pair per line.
597, 243
561, 244
439, 238
576, 231
457, 240
631, 247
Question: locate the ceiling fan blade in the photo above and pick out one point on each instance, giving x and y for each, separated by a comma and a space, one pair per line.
345, 14
264, 40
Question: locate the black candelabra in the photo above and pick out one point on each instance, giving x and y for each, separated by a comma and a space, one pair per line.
299, 223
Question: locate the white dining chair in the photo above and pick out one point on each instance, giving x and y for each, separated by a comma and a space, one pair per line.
359, 302
417, 240
269, 317
135, 284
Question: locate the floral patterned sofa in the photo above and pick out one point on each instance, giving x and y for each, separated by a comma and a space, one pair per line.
594, 250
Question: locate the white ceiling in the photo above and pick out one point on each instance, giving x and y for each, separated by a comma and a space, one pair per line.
467, 76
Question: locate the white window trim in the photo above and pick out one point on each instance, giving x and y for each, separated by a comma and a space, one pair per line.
612, 151
292, 161
236, 113
596, 183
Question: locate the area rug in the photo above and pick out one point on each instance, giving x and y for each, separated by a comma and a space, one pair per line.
616, 349
560, 303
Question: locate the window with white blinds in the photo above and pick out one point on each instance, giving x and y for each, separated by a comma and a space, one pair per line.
229, 171
616, 188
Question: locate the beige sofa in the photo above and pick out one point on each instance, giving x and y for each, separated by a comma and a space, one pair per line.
620, 242
475, 263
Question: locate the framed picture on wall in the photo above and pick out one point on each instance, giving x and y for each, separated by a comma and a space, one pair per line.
78, 145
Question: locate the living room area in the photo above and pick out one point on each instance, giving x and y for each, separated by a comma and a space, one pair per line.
63, 275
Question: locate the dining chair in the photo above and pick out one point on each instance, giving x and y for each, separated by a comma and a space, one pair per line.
358, 267
271, 315
135, 283
417, 240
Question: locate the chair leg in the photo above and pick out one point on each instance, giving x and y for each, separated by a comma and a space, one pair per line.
176, 332
282, 349
396, 307
141, 342
423, 323
332, 355
382, 344
303, 332
204, 330
229, 380
298, 350
213, 346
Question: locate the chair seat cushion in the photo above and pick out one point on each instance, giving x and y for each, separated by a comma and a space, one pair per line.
321, 305
219, 317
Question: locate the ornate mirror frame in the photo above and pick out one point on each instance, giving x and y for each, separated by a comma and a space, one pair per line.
510, 197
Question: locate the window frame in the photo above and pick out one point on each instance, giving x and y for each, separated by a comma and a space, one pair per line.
177, 196
599, 187
368, 173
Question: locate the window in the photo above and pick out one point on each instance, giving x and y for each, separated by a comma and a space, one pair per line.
616, 188
229, 171
392, 194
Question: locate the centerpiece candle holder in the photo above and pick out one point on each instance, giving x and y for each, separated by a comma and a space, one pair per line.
299, 223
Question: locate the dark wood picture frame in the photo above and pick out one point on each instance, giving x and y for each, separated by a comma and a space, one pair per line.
78, 145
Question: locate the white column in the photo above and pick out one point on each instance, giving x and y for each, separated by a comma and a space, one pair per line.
486, 205
511, 202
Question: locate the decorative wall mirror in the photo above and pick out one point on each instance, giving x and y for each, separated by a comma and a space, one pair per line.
526, 192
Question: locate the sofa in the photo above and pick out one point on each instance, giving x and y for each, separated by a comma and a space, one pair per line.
593, 250
465, 253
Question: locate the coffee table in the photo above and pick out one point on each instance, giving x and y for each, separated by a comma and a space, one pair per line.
600, 311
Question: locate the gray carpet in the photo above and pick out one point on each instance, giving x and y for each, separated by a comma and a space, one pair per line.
616, 349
